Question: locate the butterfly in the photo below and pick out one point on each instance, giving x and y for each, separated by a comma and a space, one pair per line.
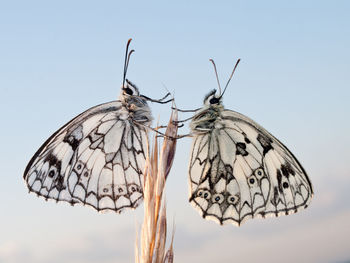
238, 170
98, 157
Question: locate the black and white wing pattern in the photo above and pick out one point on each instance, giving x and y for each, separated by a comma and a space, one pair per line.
95, 159
238, 170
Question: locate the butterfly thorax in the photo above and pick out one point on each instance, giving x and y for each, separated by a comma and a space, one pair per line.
206, 119
137, 109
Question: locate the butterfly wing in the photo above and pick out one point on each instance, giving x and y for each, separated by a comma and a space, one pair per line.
238, 171
95, 159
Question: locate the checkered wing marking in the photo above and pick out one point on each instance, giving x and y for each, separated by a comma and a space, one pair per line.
240, 171
96, 159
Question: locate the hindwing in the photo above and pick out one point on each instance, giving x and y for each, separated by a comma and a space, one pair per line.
238, 171
95, 159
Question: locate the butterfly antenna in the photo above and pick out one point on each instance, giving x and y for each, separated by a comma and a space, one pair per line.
127, 63
216, 74
233, 71
126, 60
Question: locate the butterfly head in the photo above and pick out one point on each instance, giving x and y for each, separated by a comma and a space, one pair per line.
212, 99
130, 94
130, 89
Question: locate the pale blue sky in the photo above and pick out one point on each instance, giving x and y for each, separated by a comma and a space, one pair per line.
58, 58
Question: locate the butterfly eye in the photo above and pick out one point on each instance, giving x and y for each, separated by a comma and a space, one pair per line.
218, 198
128, 91
214, 100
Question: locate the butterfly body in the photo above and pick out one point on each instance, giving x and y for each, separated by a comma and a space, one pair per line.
135, 107
238, 170
206, 119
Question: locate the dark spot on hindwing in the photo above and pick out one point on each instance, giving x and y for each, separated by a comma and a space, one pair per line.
284, 170
59, 183
51, 174
287, 170
240, 149
229, 173
246, 138
229, 177
285, 185
265, 143
279, 181
74, 136
275, 198
54, 165
55, 172
53, 161
72, 141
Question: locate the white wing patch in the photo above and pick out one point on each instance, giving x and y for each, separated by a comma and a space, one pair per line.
96, 159
239, 171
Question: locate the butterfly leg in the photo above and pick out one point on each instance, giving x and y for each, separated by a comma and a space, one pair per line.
174, 108
177, 122
164, 126
166, 95
161, 101
175, 138
184, 135
161, 134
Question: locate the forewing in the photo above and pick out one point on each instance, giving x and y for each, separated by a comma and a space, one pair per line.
96, 159
240, 171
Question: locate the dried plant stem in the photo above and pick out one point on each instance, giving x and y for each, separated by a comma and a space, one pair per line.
154, 227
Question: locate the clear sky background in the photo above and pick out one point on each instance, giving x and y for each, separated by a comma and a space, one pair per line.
58, 58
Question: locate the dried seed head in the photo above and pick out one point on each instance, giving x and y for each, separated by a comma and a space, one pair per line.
169, 144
